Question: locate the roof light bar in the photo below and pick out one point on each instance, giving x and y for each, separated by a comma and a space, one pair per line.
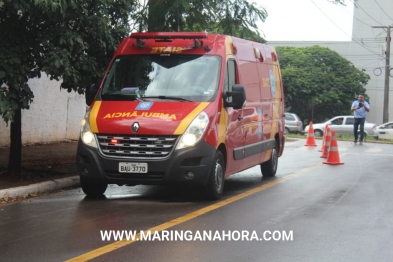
169, 35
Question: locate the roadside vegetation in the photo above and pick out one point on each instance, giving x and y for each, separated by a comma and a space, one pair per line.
343, 138
319, 83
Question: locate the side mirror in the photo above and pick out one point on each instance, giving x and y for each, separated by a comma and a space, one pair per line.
90, 93
238, 95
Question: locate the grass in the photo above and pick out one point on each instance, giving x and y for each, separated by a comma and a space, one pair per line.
345, 138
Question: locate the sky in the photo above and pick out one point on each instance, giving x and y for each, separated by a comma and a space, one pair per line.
306, 20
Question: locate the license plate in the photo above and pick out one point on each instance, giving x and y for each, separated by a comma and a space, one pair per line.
127, 167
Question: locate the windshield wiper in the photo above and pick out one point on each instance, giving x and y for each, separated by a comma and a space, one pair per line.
169, 97
122, 96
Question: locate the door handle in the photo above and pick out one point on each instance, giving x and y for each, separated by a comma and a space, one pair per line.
239, 117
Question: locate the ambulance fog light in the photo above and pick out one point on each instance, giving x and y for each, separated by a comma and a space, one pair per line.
190, 175
189, 140
87, 137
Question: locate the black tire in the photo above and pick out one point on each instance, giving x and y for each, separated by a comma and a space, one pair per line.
269, 168
318, 133
286, 131
215, 186
93, 189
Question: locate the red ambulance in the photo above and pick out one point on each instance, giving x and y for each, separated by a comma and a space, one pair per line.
187, 108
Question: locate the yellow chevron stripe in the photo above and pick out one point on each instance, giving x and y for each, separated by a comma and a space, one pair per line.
93, 116
188, 119
222, 126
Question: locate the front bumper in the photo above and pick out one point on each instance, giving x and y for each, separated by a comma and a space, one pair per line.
93, 165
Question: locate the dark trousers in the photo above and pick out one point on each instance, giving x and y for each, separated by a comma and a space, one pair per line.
358, 122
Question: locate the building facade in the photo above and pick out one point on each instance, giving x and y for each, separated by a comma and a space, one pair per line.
366, 51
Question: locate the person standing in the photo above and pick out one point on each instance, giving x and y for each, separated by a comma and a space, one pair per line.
360, 109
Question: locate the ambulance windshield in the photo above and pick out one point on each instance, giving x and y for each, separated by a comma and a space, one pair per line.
191, 77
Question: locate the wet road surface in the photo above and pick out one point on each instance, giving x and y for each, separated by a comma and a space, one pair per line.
331, 213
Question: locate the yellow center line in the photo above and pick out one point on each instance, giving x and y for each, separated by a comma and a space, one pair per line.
116, 245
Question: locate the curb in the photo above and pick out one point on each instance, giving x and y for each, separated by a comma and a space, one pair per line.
40, 187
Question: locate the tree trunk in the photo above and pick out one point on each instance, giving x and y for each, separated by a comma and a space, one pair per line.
15, 157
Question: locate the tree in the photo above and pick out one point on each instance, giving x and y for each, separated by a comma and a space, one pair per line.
69, 40
232, 17
318, 82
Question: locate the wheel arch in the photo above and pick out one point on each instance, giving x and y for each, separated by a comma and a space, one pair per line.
280, 143
223, 150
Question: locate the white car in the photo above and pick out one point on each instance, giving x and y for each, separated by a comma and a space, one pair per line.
343, 125
385, 131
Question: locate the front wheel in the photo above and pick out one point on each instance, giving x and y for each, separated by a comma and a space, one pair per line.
93, 189
269, 168
318, 132
215, 185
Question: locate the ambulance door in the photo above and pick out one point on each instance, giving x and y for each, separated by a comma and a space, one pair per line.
252, 113
234, 138
268, 76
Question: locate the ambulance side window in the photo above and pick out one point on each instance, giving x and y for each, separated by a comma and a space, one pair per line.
230, 77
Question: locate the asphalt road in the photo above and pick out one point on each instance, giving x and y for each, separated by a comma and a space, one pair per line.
309, 212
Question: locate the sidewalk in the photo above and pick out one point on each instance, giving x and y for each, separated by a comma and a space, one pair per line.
45, 167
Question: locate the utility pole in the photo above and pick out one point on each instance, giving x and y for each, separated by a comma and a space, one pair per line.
387, 75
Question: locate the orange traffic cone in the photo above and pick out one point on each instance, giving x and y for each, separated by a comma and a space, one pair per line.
326, 145
333, 156
310, 136
323, 139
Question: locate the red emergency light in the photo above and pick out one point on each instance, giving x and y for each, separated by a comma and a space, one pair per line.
169, 35
114, 141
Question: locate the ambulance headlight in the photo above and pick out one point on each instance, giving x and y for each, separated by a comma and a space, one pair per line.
194, 132
87, 136
189, 140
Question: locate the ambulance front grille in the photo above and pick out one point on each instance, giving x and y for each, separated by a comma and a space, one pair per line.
136, 146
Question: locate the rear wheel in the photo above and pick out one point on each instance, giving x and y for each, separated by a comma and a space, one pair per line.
93, 189
215, 185
269, 168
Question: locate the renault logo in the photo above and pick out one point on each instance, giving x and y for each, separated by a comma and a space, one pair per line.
135, 127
